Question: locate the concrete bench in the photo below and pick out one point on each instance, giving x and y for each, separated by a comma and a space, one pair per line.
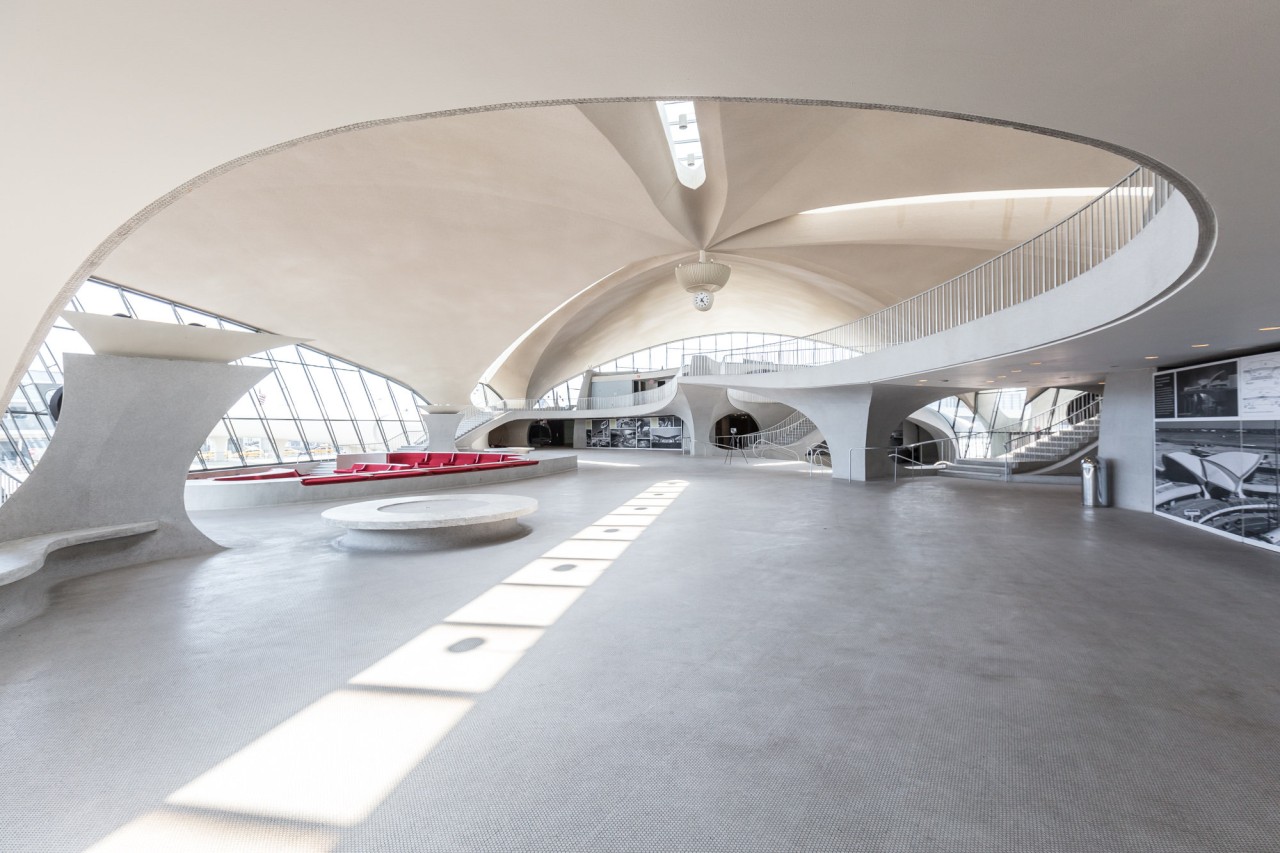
23, 557
417, 522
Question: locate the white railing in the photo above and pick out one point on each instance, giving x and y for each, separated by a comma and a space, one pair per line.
787, 431
8, 484
625, 401
1067, 250
1058, 419
762, 447
939, 452
473, 417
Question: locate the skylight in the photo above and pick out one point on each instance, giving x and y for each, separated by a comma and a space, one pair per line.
681, 126
988, 195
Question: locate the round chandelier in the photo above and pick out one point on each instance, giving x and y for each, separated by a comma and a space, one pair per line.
703, 274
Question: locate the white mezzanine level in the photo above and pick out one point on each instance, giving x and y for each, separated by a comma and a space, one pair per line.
991, 320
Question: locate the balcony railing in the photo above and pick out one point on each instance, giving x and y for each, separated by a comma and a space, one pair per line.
1074, 246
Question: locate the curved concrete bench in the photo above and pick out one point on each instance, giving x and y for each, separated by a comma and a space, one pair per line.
416, 522
23, 557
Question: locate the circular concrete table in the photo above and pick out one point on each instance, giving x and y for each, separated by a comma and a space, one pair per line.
426, 522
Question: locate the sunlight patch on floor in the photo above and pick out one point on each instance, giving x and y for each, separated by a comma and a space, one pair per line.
510, 604
454, 658
172, 831
332, 763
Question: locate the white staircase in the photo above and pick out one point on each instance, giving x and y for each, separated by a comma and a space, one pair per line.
1045, 444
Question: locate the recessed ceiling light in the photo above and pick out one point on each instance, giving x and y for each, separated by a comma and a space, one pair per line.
1198, 346
1270, 329
1016, 370
1151, 357
1035, 362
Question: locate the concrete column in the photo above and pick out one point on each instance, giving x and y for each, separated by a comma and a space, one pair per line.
128, 432
442, 431
1126, 437
700, 406
854, 417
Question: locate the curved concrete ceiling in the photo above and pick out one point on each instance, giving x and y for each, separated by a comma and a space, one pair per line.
424, 248
116, 111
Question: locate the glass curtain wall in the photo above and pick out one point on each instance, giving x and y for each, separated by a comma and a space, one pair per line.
311, 408
979, 419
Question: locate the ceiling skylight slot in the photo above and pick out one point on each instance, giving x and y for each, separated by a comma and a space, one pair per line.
680, 122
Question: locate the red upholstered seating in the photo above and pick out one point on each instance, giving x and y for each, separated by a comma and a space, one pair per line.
435, 460
420, 465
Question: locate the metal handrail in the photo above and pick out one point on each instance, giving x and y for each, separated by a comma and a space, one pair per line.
946, 448
761, 446
815, 453
787, 431
1052, 258
1054, 420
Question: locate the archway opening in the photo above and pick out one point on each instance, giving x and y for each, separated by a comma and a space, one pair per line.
732, 429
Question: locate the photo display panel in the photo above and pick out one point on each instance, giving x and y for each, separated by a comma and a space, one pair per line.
1217, 442
664, 432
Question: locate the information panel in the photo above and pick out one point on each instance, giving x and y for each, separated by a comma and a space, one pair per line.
664, 432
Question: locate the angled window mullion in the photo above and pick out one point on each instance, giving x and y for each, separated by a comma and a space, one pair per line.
377, 417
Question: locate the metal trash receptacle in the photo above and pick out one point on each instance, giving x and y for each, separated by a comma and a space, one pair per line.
1093, 482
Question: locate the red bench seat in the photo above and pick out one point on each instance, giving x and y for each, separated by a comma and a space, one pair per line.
426, 464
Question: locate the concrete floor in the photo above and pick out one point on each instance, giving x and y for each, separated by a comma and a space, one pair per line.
775, 663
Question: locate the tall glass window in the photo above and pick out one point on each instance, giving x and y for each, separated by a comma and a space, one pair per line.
312, 407
975, 416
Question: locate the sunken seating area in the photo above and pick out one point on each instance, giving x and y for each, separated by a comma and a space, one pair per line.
401, 465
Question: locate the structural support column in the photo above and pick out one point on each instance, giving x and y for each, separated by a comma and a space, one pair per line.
128, 432
857, 420
1126, 438
442, 430
700, 406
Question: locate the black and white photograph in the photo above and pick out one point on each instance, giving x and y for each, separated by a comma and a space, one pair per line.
621, 437
642, 430
632, 423
1208, 392
668, 421
598, 433
1220, 476
642, 443
666, 437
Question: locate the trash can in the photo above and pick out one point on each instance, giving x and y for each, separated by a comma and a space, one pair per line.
1093, 482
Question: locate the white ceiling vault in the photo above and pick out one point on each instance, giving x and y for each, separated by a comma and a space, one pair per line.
425, 248
122, 114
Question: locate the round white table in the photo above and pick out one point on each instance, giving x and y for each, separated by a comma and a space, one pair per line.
425, 522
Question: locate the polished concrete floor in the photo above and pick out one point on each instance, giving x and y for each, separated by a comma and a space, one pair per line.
773, 662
